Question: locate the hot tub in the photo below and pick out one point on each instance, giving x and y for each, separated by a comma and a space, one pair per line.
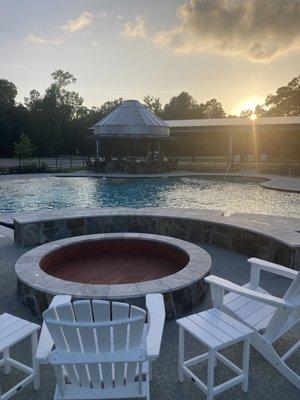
116, 266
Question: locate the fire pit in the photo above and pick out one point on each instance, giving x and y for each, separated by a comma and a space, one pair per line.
117, 266
114, 261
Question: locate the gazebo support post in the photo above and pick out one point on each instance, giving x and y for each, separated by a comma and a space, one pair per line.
97, 148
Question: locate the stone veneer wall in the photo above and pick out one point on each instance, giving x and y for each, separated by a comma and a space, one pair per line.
224, 235
177, 303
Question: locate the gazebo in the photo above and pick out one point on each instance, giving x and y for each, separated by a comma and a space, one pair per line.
129, 138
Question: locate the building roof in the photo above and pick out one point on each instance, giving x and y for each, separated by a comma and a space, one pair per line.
131, 119
194, 123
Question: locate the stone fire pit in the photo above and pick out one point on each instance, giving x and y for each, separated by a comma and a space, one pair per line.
115, 266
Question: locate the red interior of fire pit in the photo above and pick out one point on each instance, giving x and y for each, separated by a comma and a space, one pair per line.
114, 261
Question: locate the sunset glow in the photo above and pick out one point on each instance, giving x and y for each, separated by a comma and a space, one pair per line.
164, 49
248, 104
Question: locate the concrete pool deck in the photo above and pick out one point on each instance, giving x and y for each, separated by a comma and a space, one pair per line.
265, 382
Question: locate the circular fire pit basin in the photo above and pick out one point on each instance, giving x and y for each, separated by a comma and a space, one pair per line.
108, 261
114, 266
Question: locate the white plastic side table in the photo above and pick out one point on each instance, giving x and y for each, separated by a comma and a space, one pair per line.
216, 330
12, 331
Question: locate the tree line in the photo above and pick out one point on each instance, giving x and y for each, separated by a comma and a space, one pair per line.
56, 122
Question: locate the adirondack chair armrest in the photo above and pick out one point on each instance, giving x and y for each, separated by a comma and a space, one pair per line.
156, 320
257, 265
45, 344
252, 294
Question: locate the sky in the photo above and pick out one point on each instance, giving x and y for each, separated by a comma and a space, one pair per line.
237, 51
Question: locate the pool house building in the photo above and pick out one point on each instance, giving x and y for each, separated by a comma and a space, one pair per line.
275, 136
269, 144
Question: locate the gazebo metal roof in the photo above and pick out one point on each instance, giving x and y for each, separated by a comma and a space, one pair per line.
131, 120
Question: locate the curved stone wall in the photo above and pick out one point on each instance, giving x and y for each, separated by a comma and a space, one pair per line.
269, 241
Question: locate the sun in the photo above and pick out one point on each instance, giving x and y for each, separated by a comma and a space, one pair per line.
248, 104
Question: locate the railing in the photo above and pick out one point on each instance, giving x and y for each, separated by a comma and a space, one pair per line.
58, 163
284, 166
289, 167
202, 164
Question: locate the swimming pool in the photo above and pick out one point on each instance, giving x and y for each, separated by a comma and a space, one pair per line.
185, 192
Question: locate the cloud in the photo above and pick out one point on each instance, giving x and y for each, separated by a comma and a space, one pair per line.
102, 14
258, 30
136, 28
33, 39
74, 25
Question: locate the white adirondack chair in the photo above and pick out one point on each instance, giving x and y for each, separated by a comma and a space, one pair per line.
101, 350
268, 315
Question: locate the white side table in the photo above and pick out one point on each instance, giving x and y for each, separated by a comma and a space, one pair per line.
216, 330
12, 331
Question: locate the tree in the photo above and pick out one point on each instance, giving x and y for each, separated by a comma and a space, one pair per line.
8, 92
246, 113
183, 106
59, 120
62, 78
286, 101
23, 149
13, 117
154, 105
260, 111
33, 100
214, 109
110, 106
52, 115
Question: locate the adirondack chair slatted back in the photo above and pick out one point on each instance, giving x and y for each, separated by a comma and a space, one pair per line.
96, 327
283, 320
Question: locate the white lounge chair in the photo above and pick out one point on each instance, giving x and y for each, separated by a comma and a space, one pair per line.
268, 315
101, 350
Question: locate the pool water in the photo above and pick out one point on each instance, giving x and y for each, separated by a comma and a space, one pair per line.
186, 192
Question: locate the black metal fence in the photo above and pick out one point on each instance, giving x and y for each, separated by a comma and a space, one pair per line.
58, 163
199, 163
